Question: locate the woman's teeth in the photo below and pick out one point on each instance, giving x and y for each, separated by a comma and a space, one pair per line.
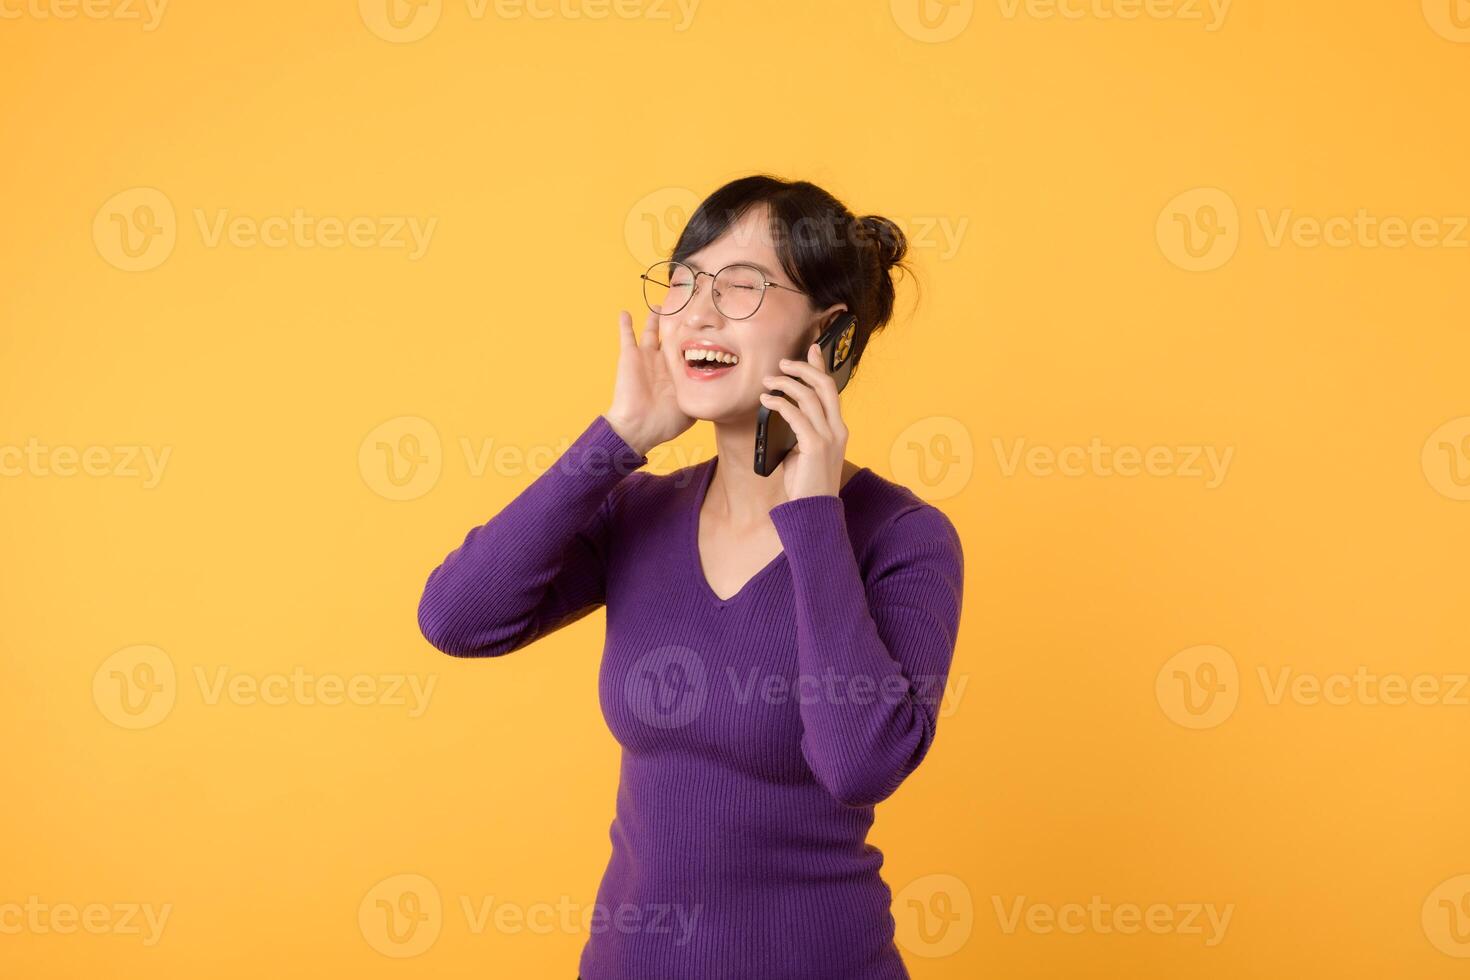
709, 359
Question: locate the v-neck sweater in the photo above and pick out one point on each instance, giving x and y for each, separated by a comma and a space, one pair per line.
757, 732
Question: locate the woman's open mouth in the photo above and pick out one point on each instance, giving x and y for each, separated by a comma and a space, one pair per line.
705, 364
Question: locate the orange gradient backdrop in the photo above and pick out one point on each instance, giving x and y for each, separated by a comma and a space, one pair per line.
294, 294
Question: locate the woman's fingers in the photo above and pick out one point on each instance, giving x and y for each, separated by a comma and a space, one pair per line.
805, 399
814, 371
649, 339
800, 422
812, 368
625, 329
826, 388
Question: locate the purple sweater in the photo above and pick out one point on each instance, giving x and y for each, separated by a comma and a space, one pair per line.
758, 731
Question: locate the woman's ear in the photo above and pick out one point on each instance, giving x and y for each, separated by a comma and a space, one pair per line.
824, 320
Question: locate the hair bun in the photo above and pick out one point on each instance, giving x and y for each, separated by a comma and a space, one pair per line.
889, 239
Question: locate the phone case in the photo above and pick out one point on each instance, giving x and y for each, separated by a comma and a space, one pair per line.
774, 437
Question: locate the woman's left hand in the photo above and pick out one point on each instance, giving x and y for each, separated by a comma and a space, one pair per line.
814, 465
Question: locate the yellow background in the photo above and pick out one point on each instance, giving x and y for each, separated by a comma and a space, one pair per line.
548, 149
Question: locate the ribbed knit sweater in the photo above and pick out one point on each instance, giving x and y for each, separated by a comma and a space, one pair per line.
758, 731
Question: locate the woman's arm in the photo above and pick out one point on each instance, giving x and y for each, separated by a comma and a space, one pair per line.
541, 562
874, 657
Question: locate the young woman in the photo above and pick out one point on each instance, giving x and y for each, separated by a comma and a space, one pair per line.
776, 646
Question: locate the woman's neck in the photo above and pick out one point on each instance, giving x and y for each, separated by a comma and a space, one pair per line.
737, 493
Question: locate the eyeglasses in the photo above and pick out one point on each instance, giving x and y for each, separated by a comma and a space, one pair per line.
738, 289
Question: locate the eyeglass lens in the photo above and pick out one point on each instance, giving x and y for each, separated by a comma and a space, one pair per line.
668, 287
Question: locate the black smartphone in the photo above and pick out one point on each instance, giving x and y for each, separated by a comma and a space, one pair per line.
774, 437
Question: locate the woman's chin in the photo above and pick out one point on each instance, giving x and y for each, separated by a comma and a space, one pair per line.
713, 407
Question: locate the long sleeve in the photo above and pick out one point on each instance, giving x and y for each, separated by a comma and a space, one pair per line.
541, 562
875, 654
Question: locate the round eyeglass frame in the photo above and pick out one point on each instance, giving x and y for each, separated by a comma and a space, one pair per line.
713, 277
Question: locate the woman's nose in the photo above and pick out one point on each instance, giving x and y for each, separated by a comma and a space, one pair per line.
701, 306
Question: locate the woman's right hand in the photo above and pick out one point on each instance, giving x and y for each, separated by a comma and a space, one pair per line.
644, 411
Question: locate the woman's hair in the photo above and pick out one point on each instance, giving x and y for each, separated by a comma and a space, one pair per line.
831, 254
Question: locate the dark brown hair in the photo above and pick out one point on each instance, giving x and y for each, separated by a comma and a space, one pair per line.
831, 254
